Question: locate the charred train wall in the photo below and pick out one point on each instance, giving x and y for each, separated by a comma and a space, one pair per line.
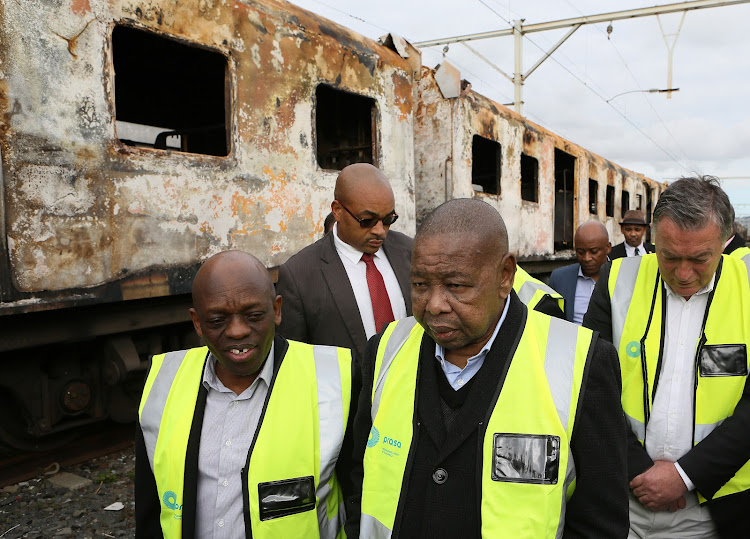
84, 212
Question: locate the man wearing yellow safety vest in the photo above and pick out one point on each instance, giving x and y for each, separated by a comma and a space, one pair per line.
479, 417
680, 319
241, 438
537, 295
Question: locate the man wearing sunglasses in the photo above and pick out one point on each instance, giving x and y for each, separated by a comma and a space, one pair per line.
345, 287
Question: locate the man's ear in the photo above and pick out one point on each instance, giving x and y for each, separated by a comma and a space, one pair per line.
196, 322
507, 274
277, 310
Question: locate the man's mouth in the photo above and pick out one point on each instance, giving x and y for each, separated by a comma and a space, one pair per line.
239, 353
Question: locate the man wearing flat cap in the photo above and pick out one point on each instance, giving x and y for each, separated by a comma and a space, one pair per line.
633, 227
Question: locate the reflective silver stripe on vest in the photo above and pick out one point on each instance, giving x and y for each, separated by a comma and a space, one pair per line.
559, 366
638, 427
372, 528
559, 362
529, 288
704, 429
394, 344
623, 293
153, 409
330, 431
746, 260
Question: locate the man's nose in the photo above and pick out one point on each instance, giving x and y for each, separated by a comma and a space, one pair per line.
378, 228
684, 271
237, 327
437, 303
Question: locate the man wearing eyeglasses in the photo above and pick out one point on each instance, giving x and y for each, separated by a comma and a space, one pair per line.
344, 288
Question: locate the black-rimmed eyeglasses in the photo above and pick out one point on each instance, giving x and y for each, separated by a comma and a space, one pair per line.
370, 222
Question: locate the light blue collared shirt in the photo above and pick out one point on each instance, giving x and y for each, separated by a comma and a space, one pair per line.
458, 377
584, 288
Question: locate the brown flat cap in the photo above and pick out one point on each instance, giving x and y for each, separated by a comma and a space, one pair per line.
633, 217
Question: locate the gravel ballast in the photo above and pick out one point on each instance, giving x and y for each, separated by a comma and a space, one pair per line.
71, 502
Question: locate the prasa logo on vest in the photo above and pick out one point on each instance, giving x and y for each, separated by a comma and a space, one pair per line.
170, 501
374, 437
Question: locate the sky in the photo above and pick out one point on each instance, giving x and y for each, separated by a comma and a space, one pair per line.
704, 128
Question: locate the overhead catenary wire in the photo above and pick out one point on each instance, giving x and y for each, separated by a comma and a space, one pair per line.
594, 91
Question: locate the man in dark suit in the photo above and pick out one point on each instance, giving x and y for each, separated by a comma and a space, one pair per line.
477, 414
343, 288
576, 282
633, 227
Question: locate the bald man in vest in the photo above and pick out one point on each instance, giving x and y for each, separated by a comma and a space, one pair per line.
240, 437
345, 287
478, 416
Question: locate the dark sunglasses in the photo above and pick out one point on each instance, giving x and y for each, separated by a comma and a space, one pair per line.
388, 220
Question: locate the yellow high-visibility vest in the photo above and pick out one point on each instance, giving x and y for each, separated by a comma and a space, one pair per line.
638, 308
536, 409
531, 291
291, 484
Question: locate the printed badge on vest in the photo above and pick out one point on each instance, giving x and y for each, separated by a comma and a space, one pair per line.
525, 458
286, 497
723, 360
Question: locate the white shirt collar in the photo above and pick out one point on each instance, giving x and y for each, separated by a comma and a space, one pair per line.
630, 249
347, 250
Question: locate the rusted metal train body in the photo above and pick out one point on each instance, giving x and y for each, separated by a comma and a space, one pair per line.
139, 137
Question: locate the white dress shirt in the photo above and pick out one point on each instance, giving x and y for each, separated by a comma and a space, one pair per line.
458, 377
229, 425
630, 250
356, 270
669, 433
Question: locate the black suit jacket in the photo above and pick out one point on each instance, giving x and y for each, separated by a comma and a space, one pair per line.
712, 462
618, 251
147, 501
737, 242
599, 505
318, 303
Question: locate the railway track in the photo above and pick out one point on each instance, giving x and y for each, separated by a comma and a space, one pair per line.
106, 439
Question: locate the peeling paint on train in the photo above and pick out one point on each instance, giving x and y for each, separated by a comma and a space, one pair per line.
82, 208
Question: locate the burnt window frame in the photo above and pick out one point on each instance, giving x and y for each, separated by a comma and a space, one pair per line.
609, 201
498, 148
374, 125
595, 184
624, 201
228, 100
535, 163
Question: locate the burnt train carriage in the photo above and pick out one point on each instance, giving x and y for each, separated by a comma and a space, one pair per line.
140, 137
468, 146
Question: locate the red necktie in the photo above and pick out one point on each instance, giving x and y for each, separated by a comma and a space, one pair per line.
381, 303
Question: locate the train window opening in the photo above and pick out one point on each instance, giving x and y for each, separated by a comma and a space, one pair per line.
593, 196
624, 202
529, 178
169, 95
344, 127
638, 202
565, 166
486, 159
610, 201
